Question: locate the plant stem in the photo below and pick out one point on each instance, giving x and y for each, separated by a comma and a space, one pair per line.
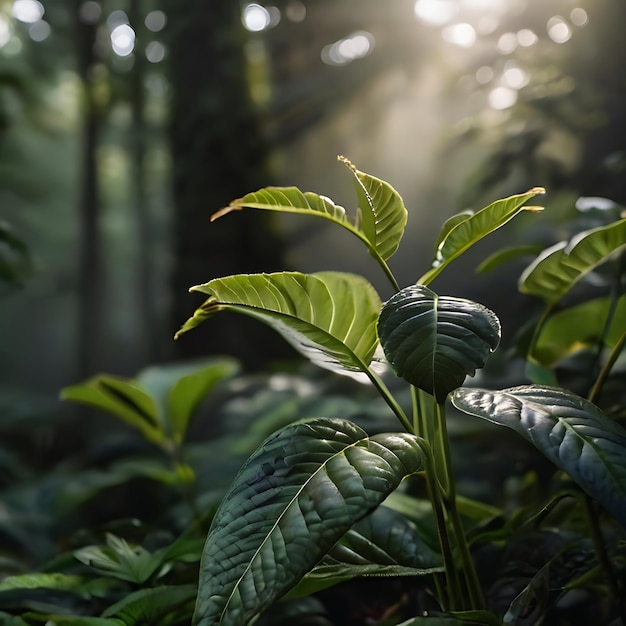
606, 368
389, 399
474, 590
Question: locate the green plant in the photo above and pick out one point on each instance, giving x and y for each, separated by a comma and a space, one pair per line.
284, 526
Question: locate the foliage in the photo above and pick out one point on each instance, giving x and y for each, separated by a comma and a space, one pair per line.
333, 494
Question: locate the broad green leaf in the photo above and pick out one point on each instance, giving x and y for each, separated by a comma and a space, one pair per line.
381, 218
571, 431
461, 234
382, 214
158, 605
329, 317
178, 388
500, 257
434, 342
563, 333
294, 498
554, 272
37, 580
124, 399
383, 543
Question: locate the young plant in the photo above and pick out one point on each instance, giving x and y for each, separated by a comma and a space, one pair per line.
288, 522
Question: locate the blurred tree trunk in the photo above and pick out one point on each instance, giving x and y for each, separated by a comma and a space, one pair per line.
90, 249
219, 153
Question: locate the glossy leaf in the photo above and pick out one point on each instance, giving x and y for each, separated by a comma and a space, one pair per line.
434, 342
571, 431
383, 543
329, 317
124, 399
296, 496
501, 257
382, 215
560, 267
458, 235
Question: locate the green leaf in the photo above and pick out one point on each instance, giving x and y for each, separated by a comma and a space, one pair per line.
500, 257
554, 272
179, 388
36, 580
458, 235
434, 342
383, 543
296, 496
571, 431
158, 605
121, 560
563, 333
75, 620
382, 214
122, 398
485, 618
329, 317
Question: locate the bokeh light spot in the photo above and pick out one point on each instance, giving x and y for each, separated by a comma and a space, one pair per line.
526, 38
39, 31
155, 52
502, 98
155, 21
484, 75
123, 40
514, 76
579, 16
295, 11
356, 46
27, 11
558, 29
5, 32
462, 35
507, 43
89, 12
436, 12
256, 18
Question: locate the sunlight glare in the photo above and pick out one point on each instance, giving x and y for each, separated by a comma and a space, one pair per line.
27, 11
256, 18
462, 35
558, 29
435, 12
502, 98
123, 40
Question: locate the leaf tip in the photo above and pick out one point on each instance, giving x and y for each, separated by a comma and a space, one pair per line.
346, 162
537, 190
233, 206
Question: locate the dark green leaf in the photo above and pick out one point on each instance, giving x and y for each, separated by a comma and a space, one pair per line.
434, 342
297, 495
497, 259
571, 431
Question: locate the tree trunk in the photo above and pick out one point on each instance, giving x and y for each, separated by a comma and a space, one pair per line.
219, 153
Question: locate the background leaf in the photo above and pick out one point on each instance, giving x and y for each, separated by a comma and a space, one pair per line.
461, 234
571, 431
329, 317
434, 342
554, 272
296, 496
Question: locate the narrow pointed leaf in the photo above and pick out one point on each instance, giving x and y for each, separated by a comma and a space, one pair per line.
501, 257
571, 431
382, 214
434, 342
124, 399
462, 235
329, 317
560, 267
296, 496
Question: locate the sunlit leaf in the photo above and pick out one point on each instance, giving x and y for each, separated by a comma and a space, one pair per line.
329, 317
554, 272
296, 496
382, 214
124, 399
434, 342
461, 234
572, 432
